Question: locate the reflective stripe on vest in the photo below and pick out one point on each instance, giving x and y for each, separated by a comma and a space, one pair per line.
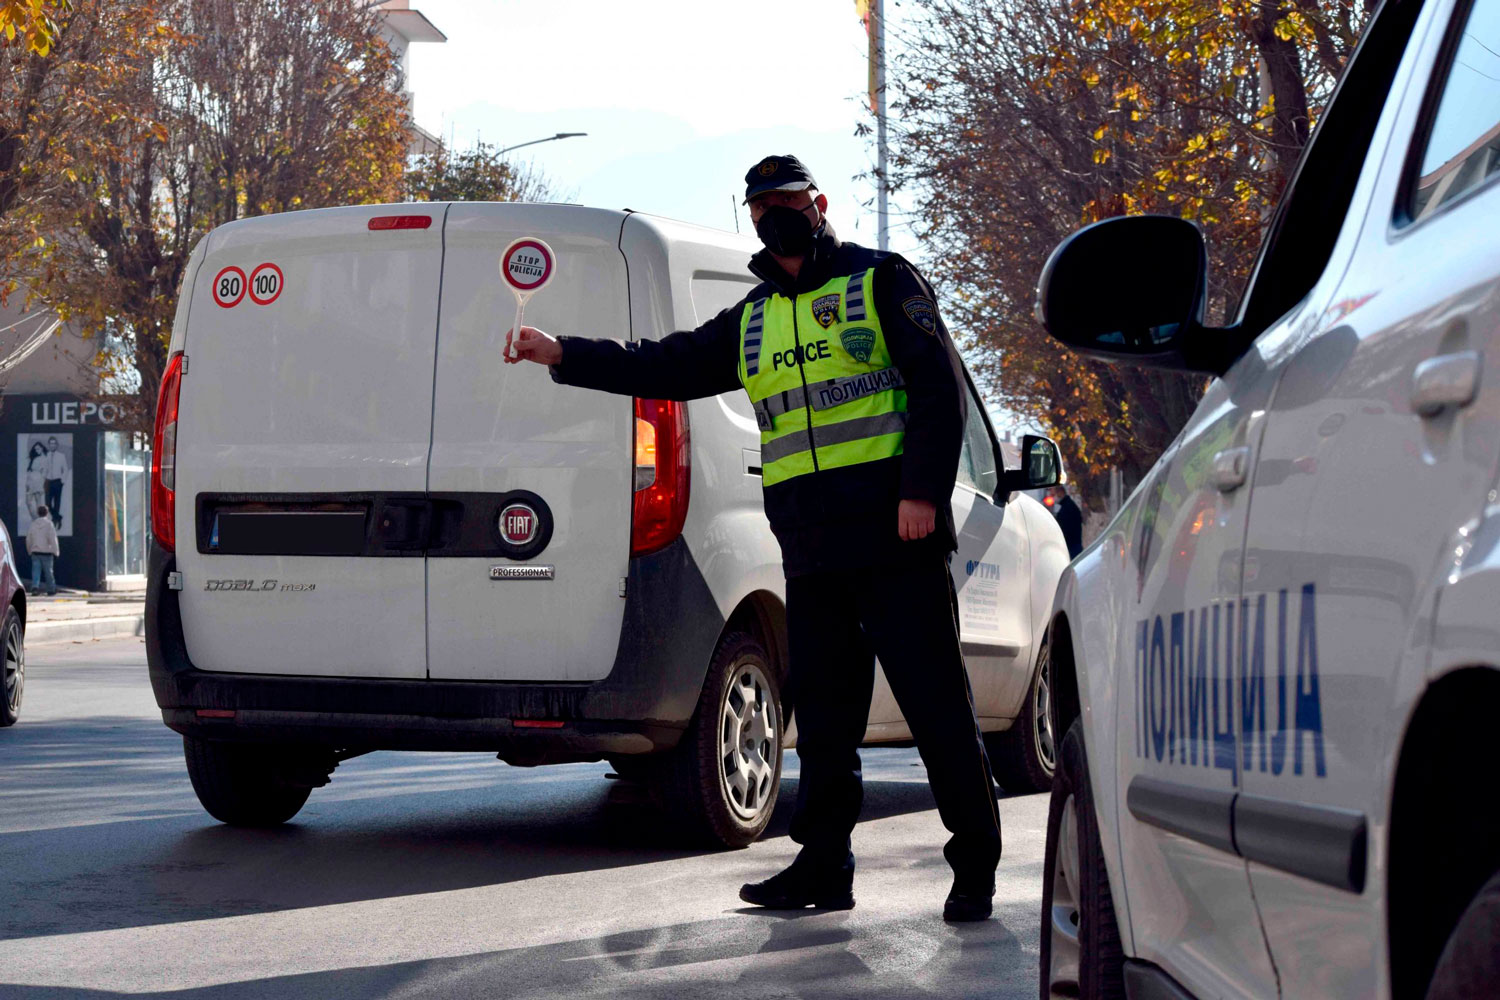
834, 392
854, 299
752, 336
825, 390
831, 434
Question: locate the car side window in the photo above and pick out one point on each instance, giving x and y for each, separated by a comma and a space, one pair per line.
1461, 135
976, 462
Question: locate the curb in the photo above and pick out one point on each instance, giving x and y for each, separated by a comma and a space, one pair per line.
84, 629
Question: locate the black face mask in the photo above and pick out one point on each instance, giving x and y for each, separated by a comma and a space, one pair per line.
786, 232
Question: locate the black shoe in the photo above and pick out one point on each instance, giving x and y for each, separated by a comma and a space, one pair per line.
802, 886
969, 899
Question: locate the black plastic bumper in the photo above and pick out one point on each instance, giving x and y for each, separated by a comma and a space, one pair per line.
670, 627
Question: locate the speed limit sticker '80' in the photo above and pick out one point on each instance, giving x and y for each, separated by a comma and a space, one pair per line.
264, 285
229, 287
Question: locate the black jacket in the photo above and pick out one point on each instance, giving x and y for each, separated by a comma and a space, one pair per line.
835, 518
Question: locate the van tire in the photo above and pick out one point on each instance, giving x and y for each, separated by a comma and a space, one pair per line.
1081, 952
1023, 757
691, 784
241, 783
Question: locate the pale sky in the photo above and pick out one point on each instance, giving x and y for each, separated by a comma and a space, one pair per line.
679, 97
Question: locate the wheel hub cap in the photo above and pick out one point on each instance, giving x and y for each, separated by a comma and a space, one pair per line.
1063, 920
749, 739
15, 668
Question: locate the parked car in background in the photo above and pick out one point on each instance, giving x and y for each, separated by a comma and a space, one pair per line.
12, 632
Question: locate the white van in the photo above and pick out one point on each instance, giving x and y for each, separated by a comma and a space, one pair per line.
372, 534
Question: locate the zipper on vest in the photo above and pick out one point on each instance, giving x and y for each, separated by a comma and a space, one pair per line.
812, 444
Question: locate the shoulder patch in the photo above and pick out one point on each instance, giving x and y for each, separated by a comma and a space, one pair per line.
921, 311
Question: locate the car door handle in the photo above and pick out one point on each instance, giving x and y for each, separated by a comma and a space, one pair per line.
1230, 468
1444, 381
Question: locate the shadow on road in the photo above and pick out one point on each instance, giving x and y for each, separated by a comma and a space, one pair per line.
814, 955
103, 830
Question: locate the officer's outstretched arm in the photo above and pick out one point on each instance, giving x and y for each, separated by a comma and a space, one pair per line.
688, 364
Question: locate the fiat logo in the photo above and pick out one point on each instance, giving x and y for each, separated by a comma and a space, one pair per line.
519, 524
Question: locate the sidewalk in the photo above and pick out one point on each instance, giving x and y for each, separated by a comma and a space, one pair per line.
78, 616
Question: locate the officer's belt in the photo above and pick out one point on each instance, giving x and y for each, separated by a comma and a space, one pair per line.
826, 435
826, 395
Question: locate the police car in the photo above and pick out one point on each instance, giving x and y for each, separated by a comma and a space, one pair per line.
1276, 669
372, 534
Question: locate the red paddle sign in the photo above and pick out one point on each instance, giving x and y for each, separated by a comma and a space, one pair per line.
526, 266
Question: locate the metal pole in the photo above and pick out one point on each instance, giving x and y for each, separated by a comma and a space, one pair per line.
533, 142
884, 217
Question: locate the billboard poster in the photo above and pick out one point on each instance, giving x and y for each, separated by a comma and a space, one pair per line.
44, 476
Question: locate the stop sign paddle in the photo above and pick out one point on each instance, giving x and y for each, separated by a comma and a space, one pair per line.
526, 266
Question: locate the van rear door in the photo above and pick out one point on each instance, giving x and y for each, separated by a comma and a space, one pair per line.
305, 417
505, 434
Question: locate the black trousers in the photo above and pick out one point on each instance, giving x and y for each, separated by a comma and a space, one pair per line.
53, 489
838, 623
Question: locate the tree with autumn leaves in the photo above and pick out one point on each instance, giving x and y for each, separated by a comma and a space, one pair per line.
1018, 121
160, 119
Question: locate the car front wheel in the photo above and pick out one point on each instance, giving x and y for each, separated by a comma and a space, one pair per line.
1081, 953
13, 649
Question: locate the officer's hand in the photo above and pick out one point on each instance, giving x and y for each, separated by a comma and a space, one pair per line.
917, 519
531, 345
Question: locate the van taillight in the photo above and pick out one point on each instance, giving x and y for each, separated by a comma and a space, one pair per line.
663, 473
164, 457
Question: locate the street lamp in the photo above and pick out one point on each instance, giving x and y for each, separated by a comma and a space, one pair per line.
533, 142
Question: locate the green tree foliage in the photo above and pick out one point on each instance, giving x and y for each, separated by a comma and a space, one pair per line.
476, 174
1018, 121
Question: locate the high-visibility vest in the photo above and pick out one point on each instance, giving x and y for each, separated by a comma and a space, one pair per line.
825, 392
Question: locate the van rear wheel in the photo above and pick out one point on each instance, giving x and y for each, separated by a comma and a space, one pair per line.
242, 784
722, 779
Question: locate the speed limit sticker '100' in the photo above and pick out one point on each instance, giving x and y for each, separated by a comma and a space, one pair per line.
264, 285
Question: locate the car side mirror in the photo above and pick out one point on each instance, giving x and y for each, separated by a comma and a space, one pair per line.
1041, 466
1130, 290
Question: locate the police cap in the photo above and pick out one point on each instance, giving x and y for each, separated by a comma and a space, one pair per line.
777, 173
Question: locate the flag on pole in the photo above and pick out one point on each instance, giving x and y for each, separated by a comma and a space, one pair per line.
869, 18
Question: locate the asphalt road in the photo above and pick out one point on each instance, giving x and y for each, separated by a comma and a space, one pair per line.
447, 875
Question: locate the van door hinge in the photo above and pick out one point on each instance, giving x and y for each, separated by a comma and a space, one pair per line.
623, 581
174, 581
184, 364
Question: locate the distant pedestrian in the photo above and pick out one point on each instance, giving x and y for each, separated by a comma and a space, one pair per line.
55, 471
41, 544
1069, 519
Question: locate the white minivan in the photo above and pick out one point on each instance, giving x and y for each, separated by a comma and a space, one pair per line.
372, 534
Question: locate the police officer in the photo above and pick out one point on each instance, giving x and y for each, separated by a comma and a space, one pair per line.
860, 400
